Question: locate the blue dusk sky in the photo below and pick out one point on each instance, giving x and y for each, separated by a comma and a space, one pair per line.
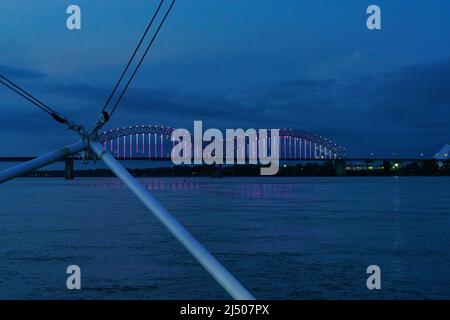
305, 64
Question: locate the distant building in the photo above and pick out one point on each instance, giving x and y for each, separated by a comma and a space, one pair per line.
443, 154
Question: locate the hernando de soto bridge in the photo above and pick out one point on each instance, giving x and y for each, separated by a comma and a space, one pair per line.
154, 142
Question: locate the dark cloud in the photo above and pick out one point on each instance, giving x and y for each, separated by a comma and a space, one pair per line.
16, 72
404, 111
307, 83
417, 94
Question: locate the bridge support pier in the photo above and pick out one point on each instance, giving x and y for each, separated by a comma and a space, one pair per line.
68, 169
340, 167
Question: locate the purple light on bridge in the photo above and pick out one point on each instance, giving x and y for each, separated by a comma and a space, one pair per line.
137, 143
149, 146
295, 148
156, 147
300, 147
124, 147
162, 146
306, 156
310, 149
284, 145
290, 147
118, 146
131, 146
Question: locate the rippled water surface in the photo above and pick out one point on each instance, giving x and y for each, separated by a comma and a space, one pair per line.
292, 238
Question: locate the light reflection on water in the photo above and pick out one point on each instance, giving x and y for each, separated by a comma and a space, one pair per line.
294, 238
247, 190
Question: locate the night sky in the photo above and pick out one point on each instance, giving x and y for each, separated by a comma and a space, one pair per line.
305, 64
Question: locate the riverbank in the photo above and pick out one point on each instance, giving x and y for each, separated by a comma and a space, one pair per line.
325, 169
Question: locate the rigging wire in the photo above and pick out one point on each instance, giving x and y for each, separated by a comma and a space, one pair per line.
104, 113
133, 55
28, 96
14, 87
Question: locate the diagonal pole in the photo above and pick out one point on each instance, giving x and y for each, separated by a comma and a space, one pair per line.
217, 271
41, 161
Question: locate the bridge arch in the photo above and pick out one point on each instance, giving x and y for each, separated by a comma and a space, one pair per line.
153, 142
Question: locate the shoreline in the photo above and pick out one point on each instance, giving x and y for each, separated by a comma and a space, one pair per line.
246, 171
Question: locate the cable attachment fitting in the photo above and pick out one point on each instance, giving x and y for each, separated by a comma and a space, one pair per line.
104, 118
70, 125
58, 118
88, 155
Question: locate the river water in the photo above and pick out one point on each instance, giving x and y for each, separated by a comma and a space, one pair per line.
283, 238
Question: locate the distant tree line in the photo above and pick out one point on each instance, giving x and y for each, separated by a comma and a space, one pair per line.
323, 169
